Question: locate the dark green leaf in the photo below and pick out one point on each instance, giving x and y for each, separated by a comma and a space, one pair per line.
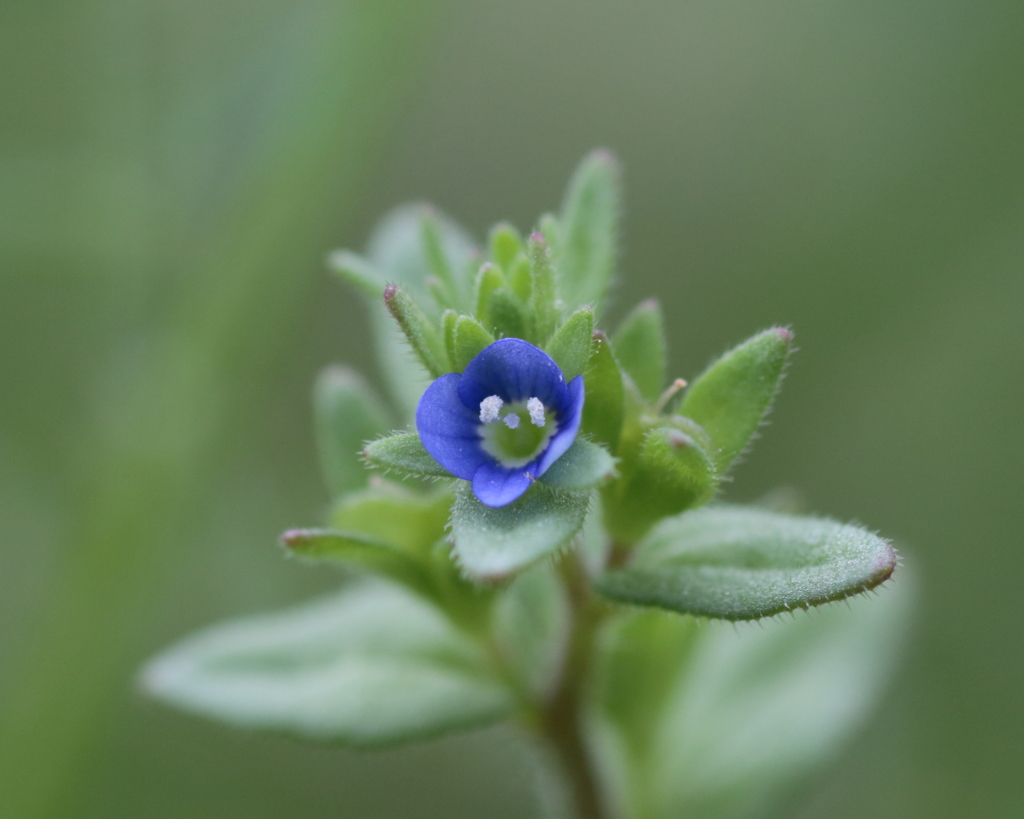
733, 395
404, 453
603, 402
743, 563
490, 543
570, 346
371, 666
583, 466
640, 348
585, 250
347, 413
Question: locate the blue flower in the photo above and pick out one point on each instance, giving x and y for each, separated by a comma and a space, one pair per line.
503, 422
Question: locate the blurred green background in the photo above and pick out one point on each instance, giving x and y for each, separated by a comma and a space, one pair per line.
171, 176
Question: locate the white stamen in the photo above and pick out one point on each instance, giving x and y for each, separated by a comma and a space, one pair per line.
536, 409
511, 420
489, 408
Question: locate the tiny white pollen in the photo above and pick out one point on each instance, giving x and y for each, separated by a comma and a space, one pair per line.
511, 420
536, 409
489, 409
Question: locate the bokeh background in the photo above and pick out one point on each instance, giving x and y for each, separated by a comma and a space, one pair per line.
172, 173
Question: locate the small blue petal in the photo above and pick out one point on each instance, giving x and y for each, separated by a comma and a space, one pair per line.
568, 426
514, 370
496, 485
448, 428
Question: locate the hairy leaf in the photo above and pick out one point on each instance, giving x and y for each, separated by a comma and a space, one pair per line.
403, 452
583, 466
640, 348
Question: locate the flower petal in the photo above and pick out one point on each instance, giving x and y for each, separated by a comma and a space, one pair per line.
568, 426
496, 485
448, 428
514, 370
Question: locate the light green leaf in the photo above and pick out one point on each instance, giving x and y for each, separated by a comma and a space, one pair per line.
347, 413
734, 394
640, 348
571, 344
583, 466
421, 333
505, 244
373, 665
506, 313
603, 408
408, 521
358, 272
743, 563
542, 292
451, 286
531, 627
360, 551
468, 340
586, 245
403, 452
488, 280
491, 543
753, 711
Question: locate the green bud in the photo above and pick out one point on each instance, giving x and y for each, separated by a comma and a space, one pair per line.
734, 394
422, 335
640, 348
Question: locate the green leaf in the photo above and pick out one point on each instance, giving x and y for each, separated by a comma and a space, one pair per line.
371, 666
403, 452
640, 348
347, 413
542, 293
505, 244
583, 466
361, 551
734, 394
638, 662
469, 340
491, 543
589, 231
743, 563
752, 711
603, 403
671, 472
488, 280
397, 253
531, 628
358, 272
506, 313
420, 332
391, 514
571, 344
453, 290
520, 278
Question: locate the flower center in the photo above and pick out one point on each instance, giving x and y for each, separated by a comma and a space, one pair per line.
505, 436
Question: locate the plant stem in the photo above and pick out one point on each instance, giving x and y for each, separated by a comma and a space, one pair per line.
562, 714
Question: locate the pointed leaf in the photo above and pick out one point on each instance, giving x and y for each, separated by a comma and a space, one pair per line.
640, 348
572, 342
586, 245
469, 340
492, 542
360, 551
542, 294
734, 394
603, 406
347, 413
371, 666
420, 332
403, 452
583, 466
743, 563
